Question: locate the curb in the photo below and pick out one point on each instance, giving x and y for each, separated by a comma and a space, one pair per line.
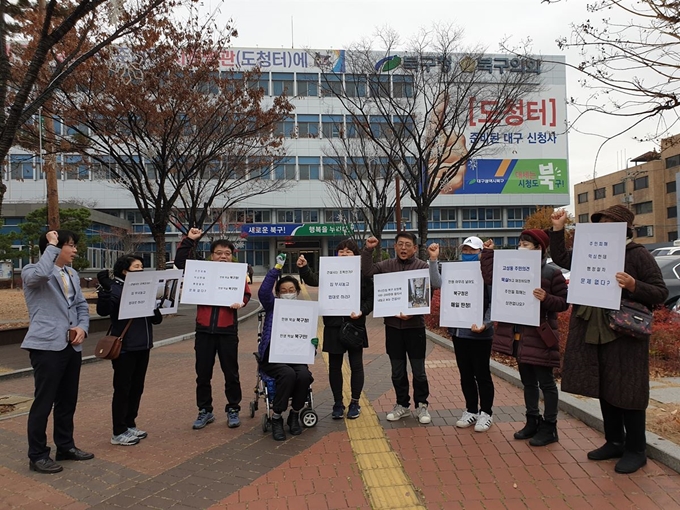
588, 411
93, 359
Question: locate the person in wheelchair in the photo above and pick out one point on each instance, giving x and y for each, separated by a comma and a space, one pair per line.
292, 380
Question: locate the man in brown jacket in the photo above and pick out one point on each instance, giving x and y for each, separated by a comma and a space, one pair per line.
404, 334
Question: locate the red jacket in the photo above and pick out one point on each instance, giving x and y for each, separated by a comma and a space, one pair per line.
210, 319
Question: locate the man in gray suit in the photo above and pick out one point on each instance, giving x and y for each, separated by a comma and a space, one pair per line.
59, 321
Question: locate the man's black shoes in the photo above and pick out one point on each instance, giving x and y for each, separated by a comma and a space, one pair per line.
47, 466
74, 454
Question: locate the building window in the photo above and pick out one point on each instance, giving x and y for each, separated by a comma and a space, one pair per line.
289, 216
518, 215
21, 167
672, 212
283, 83
672, 236
332, 169
379, 126
600, 193
307, 85
285, 170
356, 85
379, 86
308, 126
331, 126
331, 85
75, 168
583, 218
402, 85
259, 168
442, 218
251, 216
482, 217
285, 128
309, 168
645, 231
641, 183
643, 208
618, 189
582, 197
341, 216
670, 187
673, 161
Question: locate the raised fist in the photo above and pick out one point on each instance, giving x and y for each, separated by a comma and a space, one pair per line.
301, 261
280, 260
372, 242
104, 279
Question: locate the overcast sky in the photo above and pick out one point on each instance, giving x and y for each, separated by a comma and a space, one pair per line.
331, 24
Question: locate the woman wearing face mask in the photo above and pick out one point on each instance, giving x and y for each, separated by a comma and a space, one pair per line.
536, 359
129, 369
331, 336
291, 379
473, 351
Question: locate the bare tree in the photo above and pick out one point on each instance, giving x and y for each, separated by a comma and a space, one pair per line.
41, 47
628, 62
362, 179
166, 131
417, 104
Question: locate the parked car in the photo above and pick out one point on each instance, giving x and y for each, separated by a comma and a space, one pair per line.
667, 250
670, 269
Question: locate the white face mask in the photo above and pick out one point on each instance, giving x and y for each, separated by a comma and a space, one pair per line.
523, 248
288, 296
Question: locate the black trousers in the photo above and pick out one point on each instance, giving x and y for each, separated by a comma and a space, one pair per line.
472, 358
400, 343
292, 381
625, 426
56, 375
224, 346
356, 366
533, 377
129, 372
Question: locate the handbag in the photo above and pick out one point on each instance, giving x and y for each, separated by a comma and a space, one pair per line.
548, 335
352, 336
109, 346
633, 319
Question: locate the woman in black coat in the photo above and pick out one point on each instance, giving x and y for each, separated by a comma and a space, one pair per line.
331, 336
129, 369
602, 364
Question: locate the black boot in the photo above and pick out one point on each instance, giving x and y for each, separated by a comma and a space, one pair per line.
294, 423
277, 429
546, 434
530, 428
609, 450
630, 462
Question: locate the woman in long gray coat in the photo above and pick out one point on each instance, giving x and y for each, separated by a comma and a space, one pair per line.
603, 364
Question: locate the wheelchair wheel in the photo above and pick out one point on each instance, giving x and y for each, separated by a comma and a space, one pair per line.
265, 423
309, 418
253, 408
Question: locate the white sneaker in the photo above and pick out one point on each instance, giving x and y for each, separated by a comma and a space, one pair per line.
423, 414
466, 420
397, 413
125, 439
141, 434
484, 422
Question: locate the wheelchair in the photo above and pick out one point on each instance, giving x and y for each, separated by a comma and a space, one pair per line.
265, 387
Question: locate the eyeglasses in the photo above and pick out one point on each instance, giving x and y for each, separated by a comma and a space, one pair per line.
71, 245
404, 245
220, 253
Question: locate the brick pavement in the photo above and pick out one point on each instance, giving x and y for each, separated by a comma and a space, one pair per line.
328, 466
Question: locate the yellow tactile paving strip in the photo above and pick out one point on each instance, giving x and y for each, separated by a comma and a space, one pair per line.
385, 480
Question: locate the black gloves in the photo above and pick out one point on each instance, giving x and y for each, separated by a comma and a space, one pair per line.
104, 280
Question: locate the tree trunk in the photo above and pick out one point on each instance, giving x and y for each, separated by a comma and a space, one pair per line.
421, 213
159, 239
50, 168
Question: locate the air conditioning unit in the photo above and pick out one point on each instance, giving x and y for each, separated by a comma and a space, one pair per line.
627, 199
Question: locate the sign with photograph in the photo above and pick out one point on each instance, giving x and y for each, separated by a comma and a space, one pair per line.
168, 287
139, 295
403, 292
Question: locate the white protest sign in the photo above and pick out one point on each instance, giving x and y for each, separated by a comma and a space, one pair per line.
138, 298
516, 273
293, 327
599, 253
339, 286
168, 286
213, 283
462, 295
406, 292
